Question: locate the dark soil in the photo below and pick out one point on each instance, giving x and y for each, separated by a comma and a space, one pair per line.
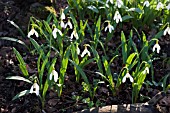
18, 11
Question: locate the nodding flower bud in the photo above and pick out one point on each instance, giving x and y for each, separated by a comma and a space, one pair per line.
127, 76
35, 88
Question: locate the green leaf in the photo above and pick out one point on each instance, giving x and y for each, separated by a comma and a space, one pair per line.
19, 29
22, 63
136, 10
13, 40
45, 88
18, 78
63, 68
48, 28
39, 62
36, 45
98, 60
75, 58
64, 65
130, 58
81, 72
22, 93
124, 47
45, 61
132, 42
108, 71
82, 64
165, 81
74, 21
113, 59
97, 32
127, 17
93, 8
23, 69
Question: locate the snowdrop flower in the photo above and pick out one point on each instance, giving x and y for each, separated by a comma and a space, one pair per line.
86, 51
146, 71
110, 27
117, 17
35, 89
74, 33
156, 46
68, 24
119, 3
167, 30
78, 50
62, 14
159, 6
168, 6
55, 74
111, 1
32, 32
62, 24
146, 3
55, 31
127, 76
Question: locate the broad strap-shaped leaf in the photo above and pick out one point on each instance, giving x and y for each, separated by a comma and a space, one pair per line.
22, 93
93, 8
127, 17
97, 31
19, 78
63, 68
108, 71
36, 45
130, 62
22, 63
136, 10
124, 47
14, 40
98, 60
81, 72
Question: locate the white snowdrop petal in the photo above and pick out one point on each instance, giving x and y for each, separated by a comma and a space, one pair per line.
54, 33
167, 30
111, 1
153, 49
88, 52
131, 79
146, 3
71, 37
147, 70
168, 6
105, 28
63, 16
55, 75
35, 89
159, 6
36, 33
124, 79
51, 76
83, 53
78, 50
30, 33
60, 32
31, 90
76, 35
62, 24
117, 17
156, 46
119, 3
70, 24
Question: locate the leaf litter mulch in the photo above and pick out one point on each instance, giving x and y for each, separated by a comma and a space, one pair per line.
66, 103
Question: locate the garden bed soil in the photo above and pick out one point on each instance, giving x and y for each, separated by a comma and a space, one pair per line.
31, 103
